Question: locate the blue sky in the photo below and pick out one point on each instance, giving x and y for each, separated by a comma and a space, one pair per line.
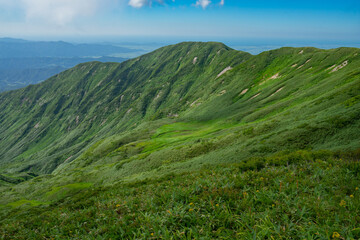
182, 19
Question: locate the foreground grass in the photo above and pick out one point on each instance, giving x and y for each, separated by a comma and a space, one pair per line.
298, 195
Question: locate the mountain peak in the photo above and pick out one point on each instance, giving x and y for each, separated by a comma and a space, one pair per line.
197, 46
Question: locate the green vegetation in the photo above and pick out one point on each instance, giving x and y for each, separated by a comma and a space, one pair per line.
24, 201
301, 195
170, 145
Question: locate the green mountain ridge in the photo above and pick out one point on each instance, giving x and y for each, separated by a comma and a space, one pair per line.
102, 99
182, 109
116, 98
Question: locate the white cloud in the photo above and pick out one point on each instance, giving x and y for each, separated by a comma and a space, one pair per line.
203, 3
60, 12
138, 3
222, 2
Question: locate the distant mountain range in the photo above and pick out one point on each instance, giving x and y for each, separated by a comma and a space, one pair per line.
17, 48
21, 72
28, 62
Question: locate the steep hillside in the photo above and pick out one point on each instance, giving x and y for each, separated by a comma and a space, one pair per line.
45, 124
103, 135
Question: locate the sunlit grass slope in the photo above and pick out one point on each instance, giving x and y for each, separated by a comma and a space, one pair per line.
194, 140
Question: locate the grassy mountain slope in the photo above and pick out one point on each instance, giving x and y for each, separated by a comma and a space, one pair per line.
59, 118
66, 112
100, 135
